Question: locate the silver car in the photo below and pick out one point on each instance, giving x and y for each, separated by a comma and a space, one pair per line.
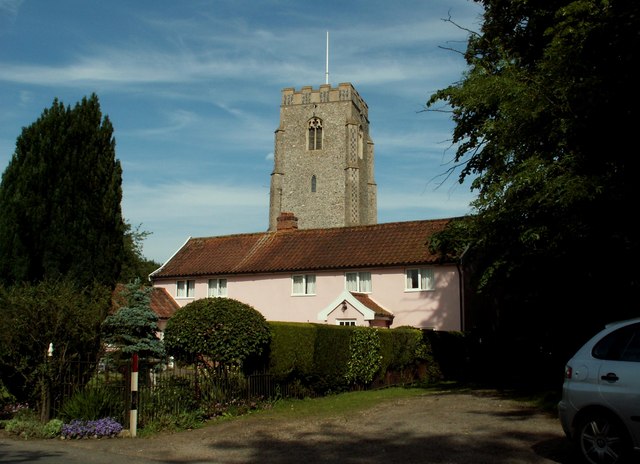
600, 406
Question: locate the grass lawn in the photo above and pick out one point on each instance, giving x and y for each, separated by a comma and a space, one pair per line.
347, 403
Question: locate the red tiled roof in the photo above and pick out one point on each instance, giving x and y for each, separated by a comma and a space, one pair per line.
372, 305
378, 245
117, 299
161, 302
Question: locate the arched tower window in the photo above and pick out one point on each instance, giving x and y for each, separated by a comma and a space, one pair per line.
315, 134
313, 184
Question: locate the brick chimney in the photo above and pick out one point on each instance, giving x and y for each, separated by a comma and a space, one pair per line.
287, 221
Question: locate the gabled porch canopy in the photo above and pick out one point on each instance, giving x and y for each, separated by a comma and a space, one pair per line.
372, 312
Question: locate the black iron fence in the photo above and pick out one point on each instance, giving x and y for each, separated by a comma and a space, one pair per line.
106, 390
88, 388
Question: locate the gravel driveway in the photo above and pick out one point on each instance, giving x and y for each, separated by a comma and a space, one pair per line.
471, 428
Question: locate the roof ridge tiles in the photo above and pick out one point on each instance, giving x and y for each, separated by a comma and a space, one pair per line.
363, 246
343, 228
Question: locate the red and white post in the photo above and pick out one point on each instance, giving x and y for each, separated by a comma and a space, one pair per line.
133, 412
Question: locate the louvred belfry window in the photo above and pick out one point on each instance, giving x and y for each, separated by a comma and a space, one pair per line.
315, 134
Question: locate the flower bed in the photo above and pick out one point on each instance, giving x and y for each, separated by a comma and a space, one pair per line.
101, 428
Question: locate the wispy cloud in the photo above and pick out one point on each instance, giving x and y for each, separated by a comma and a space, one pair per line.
182, 209
176, 121
193, 90
10, 7
430, 202
190, 51
185, 199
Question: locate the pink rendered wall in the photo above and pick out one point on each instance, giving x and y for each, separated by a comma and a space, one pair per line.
271, 295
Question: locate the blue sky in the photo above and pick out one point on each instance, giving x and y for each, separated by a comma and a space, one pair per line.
193, 89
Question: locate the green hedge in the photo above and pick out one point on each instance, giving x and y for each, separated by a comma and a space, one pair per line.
292, 349
326, 359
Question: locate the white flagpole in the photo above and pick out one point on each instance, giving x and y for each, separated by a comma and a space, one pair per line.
326, 72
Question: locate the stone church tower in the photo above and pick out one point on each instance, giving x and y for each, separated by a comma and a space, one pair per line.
323, 159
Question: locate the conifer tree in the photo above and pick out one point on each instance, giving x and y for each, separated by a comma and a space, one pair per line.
60, 200
133, 328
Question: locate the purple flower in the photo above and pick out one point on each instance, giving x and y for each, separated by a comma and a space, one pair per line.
106, 427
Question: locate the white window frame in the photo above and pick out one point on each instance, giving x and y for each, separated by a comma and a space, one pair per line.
419, 279
360, 282
303, 284
346, 322
217, 288
185, 288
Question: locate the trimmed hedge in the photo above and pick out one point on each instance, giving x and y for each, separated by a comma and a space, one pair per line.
326, 359
291, 350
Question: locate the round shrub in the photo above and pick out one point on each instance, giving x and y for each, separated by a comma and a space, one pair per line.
216, 330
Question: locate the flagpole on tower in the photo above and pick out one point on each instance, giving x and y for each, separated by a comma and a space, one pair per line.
326, 69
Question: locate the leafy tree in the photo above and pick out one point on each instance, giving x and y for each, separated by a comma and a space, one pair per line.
216, 330
133, 328
60, 199
542, 121
135, 265
46, 328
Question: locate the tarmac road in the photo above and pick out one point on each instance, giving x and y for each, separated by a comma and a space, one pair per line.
443, 428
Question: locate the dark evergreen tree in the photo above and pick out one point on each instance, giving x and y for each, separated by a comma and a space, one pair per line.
60, 199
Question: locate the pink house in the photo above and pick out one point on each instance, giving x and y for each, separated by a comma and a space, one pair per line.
324, 258
380, 275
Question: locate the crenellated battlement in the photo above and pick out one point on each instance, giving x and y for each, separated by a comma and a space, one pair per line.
323, 160
324, 94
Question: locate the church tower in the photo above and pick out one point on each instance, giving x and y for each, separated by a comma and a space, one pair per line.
323, 159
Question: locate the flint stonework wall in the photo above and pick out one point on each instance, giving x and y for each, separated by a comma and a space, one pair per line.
345, 189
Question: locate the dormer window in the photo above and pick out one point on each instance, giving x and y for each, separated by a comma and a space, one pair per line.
315, 134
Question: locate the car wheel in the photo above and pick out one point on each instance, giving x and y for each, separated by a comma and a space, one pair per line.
603, 439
